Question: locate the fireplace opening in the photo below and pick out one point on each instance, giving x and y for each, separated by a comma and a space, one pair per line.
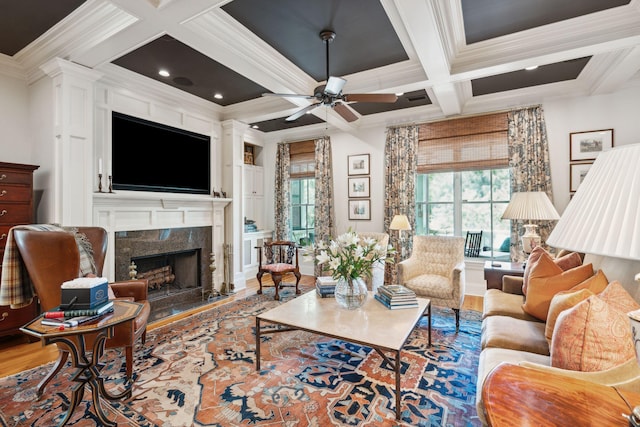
169, 272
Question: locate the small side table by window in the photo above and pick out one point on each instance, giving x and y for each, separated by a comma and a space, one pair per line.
88, 367
494, 270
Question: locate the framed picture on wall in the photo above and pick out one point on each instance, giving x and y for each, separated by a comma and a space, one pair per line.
587, 145
577, 173
360, 209
359, 187
358, 164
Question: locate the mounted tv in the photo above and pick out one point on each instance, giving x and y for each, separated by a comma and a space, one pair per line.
148, 156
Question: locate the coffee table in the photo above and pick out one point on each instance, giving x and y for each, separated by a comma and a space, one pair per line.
373, 325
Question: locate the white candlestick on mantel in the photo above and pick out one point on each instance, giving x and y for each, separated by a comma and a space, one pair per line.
100, 166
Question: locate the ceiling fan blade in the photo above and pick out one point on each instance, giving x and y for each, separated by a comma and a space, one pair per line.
289, 95
371, 97
345, 112
302, 112
334, 85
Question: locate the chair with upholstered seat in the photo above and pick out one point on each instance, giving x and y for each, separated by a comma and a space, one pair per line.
278, 258
435, 270
52, 257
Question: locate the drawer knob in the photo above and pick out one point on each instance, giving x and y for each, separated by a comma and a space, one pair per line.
3, 177
3, 192
4, 315
3, 213
3, 236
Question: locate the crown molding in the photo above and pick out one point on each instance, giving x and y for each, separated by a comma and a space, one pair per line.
10, 68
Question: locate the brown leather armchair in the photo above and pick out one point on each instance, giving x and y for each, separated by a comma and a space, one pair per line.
52, 257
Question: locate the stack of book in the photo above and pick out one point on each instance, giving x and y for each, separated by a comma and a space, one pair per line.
71, 318
325, 286
396, 296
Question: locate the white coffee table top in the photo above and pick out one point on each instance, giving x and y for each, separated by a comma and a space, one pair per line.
372, 324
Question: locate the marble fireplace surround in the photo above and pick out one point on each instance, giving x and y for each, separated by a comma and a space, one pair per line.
163, 223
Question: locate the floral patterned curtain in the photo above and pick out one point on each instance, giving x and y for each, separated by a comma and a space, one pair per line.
282, 197
324, 212
529, 164
400, 169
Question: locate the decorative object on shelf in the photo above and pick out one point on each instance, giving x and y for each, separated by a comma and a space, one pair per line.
360, 209
223, 194
133, 270
359, 187
587, 145
350, 258
577, 174
530, 205
110, 184
216, 194
602, 217
100, 175
359, 164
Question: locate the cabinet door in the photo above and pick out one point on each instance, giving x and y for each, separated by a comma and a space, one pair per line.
258, 181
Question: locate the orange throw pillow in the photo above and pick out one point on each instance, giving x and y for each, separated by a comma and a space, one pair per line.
590, 337
546, 280
596, 283
560, 302
565, 262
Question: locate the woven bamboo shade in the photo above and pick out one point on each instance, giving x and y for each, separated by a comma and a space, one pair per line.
463, 144
302, 156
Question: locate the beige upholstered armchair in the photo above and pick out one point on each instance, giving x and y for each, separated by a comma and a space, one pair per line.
377, 270
435, 270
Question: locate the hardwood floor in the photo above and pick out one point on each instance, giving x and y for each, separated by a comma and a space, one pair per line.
18, 354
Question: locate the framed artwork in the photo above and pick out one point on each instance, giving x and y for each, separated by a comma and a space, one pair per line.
577, 173
587, 145
359, 164
359, 187
360, 209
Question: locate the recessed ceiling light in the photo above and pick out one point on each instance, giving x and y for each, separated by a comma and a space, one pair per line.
533, 67
254, 127
164, 73
399, 93
217, 96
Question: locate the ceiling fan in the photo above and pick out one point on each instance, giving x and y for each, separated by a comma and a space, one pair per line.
330, 94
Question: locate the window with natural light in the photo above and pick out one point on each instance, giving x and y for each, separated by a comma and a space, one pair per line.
452, 203
303, 193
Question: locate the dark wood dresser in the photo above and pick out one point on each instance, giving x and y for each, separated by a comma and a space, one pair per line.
16, 208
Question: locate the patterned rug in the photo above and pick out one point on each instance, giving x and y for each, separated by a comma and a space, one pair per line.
200, 371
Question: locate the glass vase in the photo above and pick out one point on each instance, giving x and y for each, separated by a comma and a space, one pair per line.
351, 293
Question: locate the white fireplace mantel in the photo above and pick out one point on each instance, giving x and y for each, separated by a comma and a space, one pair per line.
134, 210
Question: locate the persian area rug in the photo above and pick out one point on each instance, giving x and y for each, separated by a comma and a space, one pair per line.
200, 371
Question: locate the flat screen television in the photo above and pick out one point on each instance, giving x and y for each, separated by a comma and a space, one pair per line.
148, 156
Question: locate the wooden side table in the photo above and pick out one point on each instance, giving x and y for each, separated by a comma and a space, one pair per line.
494, 270
87, 361
546, 399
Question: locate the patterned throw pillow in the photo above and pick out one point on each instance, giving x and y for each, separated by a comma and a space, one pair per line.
618, 297
546, 280
592, 336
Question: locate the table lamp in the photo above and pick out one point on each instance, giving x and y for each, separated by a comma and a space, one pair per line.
530, 206
400, 223
603, 217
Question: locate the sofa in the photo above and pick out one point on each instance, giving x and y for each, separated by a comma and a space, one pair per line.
510, 334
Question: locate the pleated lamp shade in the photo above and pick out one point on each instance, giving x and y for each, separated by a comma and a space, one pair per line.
603, 217
530, 205
400, 222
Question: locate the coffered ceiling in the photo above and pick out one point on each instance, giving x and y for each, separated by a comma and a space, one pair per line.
447, 57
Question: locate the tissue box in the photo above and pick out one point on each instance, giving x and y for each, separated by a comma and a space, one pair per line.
84, 293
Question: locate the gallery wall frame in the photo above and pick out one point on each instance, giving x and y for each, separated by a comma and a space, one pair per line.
360, 209
577, 173
358, 164
359, 187
587, 145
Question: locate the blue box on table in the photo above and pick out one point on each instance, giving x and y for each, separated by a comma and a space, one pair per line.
84, 293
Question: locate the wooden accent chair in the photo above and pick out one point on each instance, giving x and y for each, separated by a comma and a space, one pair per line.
280, 257
435, 270
51, 258
472, 244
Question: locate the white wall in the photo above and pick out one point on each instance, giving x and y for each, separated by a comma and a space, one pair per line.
15, 144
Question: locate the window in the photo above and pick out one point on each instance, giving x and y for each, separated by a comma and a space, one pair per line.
303, 193
452, 203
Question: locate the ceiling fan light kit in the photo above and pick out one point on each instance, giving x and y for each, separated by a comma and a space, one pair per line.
330, 94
